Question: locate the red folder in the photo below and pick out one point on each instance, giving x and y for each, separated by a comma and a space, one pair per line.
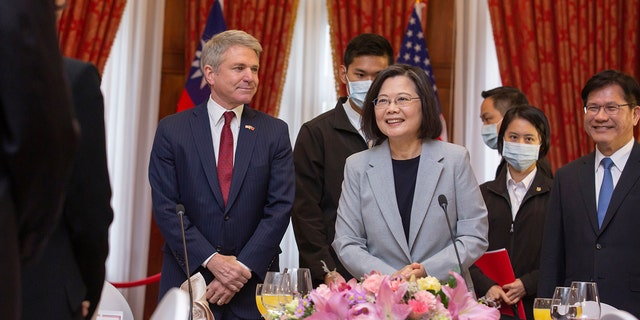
497, 266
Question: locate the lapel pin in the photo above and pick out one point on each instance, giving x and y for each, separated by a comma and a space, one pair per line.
250, 127
538, 189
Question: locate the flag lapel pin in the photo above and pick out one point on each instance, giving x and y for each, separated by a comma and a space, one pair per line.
250, 127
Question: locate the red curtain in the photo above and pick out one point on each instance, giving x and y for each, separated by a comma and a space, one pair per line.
88, 27
349, 18
271, 22
550, 48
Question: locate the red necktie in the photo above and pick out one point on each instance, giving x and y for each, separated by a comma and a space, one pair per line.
225, 158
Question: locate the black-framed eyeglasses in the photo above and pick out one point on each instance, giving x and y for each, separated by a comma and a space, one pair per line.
610, 108
401, 100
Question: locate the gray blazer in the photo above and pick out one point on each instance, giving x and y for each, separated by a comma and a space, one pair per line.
369, 233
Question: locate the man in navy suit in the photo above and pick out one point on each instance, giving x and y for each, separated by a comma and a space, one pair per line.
232, 231
586, 239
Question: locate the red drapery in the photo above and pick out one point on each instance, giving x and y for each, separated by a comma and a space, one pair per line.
349, 18
550, 48
88, 27
270, 21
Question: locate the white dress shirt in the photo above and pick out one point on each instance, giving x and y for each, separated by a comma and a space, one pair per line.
517, 190
619, 159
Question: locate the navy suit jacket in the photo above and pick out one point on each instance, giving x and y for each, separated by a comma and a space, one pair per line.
182, 170
575, 249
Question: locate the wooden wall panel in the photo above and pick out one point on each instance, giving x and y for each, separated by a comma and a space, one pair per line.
440, 39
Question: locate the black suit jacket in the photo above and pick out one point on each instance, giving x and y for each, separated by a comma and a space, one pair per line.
575, 249
321, 150
37, 139
72, 267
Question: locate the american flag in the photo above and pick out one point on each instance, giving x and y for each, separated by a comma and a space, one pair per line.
196, 89
413, 50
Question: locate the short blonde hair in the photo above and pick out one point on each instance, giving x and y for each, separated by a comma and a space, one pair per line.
214, 49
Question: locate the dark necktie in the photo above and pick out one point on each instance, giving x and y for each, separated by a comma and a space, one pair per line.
225, 158
606, 190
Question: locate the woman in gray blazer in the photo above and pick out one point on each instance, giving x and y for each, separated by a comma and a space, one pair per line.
389, 217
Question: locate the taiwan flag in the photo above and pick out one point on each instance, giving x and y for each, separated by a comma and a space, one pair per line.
196, 90
413, 51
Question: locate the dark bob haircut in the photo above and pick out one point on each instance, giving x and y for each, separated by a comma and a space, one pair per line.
534, 116
430, 127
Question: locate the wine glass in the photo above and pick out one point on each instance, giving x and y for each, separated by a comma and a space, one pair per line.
299, 282
274, 288
542, 309
561, 308
263, 311
586, 299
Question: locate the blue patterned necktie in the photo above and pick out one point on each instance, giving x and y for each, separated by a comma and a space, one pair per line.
606, 190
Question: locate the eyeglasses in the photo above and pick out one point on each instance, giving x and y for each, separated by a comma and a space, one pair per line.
609, 109
401, 100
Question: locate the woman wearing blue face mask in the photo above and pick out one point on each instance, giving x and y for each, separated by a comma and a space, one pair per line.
517, 204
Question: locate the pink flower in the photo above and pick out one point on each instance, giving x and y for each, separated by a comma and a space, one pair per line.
323, 291
364, 311
326, 308
372, 282
463, 306
390, 302
418, 309
427, 298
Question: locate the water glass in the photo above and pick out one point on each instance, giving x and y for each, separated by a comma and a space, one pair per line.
299, 282
561, 307
586, 300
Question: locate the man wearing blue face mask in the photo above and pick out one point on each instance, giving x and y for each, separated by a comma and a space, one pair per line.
319, 155
496, 103
517, 204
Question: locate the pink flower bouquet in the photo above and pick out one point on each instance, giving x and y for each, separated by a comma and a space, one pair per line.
381, 297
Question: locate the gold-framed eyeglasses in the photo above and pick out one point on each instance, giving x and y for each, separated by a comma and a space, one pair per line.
609, 108
401, 100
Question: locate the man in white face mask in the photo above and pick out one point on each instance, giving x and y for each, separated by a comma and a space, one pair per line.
496, 102
319, 155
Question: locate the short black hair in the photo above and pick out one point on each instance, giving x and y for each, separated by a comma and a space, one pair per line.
534, 116
610, 77
430, 126
367, 44
505, 97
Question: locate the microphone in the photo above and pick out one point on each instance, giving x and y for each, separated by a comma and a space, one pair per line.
180, 212
442, 201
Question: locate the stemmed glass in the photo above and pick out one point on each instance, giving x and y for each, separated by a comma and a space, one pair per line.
299, 282
274, 293
263, 311
586, 300
561, 307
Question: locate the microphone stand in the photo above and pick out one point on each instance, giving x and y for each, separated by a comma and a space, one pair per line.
442, 200
180, 209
